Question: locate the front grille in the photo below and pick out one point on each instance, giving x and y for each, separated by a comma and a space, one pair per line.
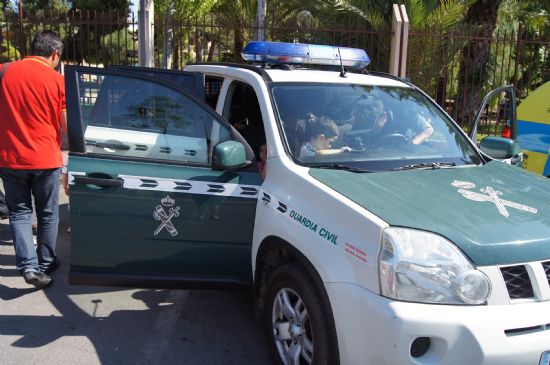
546, 266
518, 282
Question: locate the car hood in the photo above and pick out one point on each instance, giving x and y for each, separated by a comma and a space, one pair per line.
496, 213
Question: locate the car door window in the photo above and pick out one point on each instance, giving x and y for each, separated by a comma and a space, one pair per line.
137, 118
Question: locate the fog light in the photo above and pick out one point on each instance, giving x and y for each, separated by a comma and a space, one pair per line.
420, 346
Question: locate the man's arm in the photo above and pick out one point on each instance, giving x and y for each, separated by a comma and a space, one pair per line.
421, 137
63, 121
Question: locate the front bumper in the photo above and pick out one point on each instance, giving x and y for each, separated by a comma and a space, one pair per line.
375, 330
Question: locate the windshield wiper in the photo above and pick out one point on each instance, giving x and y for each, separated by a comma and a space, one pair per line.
337, 166
425, 166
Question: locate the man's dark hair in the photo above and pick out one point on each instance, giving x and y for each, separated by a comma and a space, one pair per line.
45, 43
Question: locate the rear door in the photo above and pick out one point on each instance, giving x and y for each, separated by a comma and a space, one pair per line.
147, 208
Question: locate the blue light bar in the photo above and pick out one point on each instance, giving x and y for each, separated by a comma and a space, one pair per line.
304, 54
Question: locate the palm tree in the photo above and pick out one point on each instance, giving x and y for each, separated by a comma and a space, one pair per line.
239, 14
481, 18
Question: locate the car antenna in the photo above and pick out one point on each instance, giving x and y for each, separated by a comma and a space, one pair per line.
343, 71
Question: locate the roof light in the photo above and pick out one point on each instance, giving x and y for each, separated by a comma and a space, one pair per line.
304, 54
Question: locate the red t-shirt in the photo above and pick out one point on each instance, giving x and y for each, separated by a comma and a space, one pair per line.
32, 97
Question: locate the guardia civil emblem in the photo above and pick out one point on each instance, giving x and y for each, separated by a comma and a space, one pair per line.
166, 216
489, 194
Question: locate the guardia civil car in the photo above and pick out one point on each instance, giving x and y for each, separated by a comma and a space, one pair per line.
395, 241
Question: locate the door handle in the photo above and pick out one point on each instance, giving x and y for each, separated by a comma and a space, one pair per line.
85, 180
113, 146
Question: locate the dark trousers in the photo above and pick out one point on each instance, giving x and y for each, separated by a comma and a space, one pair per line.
3, 206
20, 186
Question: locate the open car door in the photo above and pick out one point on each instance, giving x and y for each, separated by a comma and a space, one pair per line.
504, 147
154, 200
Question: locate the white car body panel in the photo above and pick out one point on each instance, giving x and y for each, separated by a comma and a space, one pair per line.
372, 329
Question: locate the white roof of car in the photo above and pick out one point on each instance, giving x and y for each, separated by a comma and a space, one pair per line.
330, 76
301, 75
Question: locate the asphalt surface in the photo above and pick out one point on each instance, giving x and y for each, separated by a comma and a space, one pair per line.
68, 324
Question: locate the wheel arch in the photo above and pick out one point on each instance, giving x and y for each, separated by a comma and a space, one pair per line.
273, 252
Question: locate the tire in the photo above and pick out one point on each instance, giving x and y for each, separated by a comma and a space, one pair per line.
301, 332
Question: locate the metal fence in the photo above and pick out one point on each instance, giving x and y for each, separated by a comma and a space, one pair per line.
435, 59
436, 64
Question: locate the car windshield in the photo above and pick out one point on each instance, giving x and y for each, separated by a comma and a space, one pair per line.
374, 128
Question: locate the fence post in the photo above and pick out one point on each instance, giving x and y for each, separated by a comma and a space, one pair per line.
395, 49
516, 66
399, 41
22, 48
146, 36
404, 41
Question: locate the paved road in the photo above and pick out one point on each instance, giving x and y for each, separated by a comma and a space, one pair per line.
67, 324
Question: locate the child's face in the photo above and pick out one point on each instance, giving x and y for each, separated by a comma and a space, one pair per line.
324, 143
263, 152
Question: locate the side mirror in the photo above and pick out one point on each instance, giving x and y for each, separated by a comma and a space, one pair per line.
498, 147
229, 155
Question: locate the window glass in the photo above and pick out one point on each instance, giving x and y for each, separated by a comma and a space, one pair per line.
212, 87
138, 118
371, 127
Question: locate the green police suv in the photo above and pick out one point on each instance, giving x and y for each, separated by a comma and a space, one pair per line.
380, 235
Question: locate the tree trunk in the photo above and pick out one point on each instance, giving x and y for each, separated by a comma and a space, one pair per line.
237, 42
211, 50
199, 49
472, 74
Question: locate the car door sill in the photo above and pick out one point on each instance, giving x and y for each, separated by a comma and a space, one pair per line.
157, 281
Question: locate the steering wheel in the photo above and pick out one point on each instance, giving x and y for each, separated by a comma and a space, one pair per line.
392, 139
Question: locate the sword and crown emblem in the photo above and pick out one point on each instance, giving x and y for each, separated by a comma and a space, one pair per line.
167, 201
489, 194
166, 217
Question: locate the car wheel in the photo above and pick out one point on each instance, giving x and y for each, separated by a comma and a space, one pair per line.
297, 324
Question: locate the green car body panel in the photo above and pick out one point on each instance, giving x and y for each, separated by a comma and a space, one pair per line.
114, 227
514, 227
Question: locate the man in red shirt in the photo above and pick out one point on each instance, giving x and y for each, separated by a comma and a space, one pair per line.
32, 106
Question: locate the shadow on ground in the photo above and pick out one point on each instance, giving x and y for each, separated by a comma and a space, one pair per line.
126, 326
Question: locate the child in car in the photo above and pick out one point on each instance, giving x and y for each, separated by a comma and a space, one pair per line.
323, 132
262, 152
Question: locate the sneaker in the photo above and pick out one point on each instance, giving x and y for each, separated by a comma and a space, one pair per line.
52, 267
37, 279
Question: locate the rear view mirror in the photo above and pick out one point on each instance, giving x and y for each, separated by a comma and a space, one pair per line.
229, 155
498, 147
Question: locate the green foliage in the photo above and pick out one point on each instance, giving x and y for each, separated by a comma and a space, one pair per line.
530, 20
116, 45
9, 52
101, 18
112, 6
172, 24
44, 5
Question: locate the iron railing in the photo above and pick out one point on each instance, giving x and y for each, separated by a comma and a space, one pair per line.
519, 57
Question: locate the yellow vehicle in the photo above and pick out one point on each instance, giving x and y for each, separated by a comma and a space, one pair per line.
527, 143
533, 130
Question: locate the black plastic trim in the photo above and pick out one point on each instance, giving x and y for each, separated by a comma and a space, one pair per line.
156, 281
198, 84
138, 159
257, 69
85, 180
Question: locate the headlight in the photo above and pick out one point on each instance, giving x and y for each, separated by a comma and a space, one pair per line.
423, 267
